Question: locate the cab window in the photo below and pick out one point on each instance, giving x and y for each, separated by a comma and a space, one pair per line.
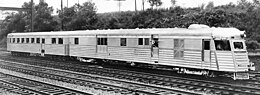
222, 45
238, 45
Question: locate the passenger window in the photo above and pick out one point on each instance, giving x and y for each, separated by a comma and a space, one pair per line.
178, 48
27, 40
22, 40
155, 42
60, 41
102, 41
43, 40
178, 43
105, 41
18, 40
76, 40
238, 45
37, 40
32, 40
13, 40
140, 41
146, 41
123, 42
98, 41
222, 45
53, 40
206, 45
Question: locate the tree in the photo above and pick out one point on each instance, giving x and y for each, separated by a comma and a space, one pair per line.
43, 21
80, 17
86, 16
252, 44
155, 3
210, 5
68, 16
173, 3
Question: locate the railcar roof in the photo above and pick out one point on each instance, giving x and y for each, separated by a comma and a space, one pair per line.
223, 32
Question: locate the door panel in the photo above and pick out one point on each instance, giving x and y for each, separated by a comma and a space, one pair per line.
154, 45
155, 48
206, 50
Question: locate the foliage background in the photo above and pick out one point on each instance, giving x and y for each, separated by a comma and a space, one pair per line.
244, 16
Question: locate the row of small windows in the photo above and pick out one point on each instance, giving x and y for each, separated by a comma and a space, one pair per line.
54, 40
100, 41
39, 40
143, 41
123, 41
27, 40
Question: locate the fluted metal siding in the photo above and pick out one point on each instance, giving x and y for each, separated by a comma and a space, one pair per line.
22, 47
55, 49
242, 61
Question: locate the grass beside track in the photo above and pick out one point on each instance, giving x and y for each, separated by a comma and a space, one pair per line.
256, 60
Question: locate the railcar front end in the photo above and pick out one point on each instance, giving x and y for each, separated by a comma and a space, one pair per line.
232, 57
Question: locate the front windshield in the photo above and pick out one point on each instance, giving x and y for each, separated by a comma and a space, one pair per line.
238, 45
222, 45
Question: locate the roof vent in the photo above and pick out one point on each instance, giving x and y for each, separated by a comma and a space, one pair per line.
198, 26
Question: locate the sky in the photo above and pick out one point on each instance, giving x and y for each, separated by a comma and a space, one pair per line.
112, 5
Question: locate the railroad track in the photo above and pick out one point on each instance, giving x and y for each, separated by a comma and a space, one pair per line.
169, 81
28, 87
97, 82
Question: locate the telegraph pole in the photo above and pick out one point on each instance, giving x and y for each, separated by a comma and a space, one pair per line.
119, 4
61, 15
32, 16
135, 6
143, 4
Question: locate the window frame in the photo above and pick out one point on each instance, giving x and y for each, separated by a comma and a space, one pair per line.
18, 40
32, 40
43, 41
102, 41
22, 40
178, 45
123, 41
60, 41
27, 40
206, 45
146, 41
239, 48
224, 45
38, 40
76, 41
143, 41
14, 40
53, 41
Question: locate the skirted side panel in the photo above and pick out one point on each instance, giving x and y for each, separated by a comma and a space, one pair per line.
225, 61
55, 49
32, 48
129, 54
191, 59
122, 53
113, 53
83, 50
213, 65
242, 60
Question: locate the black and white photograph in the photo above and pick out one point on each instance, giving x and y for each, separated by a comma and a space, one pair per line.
129, 47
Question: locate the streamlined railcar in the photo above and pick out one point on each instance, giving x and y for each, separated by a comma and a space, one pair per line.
197, 49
